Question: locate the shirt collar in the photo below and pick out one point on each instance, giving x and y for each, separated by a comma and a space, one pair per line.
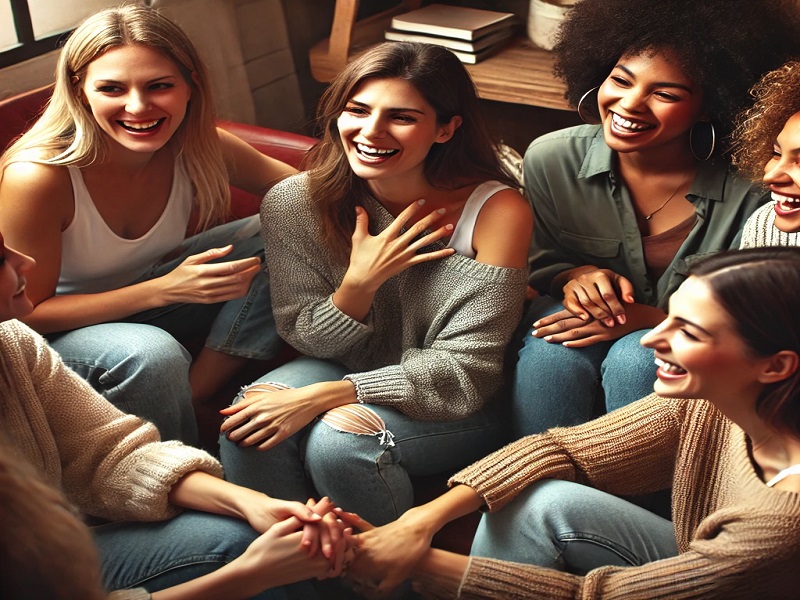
708, 183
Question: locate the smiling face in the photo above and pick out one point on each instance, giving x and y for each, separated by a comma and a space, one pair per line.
648, 102
387, 129
782, 175
699, 353
137, 95
14, 304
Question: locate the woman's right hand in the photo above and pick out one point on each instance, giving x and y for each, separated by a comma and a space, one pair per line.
599, 294
195, 281
376, 258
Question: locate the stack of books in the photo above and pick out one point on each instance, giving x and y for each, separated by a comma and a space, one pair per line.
470, 33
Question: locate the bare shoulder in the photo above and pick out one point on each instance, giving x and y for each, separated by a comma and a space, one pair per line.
503, 230
37, 190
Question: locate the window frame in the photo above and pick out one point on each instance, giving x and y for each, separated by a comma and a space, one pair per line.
27, 45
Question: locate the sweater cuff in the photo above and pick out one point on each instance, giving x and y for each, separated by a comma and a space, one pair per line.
387, 386
488, 578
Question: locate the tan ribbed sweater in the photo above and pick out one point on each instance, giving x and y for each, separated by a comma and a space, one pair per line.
109, 464
736, 537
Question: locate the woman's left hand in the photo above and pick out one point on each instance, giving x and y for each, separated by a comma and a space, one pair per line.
565, 328
265, 416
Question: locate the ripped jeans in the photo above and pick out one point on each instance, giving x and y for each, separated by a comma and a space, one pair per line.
358, 472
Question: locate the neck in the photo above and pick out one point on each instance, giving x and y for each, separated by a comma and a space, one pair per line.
658, 161
396, 195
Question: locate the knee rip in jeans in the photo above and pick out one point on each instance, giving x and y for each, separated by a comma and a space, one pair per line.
360, 420
259, 387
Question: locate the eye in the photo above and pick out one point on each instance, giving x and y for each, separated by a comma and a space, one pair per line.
108, 89
620, 81
356, 111
776, 152
405, 118
667, 96
688, 335
163, 85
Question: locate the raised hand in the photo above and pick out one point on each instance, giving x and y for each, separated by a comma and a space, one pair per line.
599, 294
195, 281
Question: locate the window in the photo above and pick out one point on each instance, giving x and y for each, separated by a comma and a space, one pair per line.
29, 28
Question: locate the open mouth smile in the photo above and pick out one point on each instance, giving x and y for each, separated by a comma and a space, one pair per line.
623, 125
372, 153
143, 126
668, 369
785, 205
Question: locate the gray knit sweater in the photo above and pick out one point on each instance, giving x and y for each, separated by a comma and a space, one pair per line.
760, 231
433, 342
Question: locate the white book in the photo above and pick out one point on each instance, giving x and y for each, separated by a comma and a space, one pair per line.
470, 58
453, 44
452, 21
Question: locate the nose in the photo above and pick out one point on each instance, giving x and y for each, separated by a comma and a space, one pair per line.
776, 171
22, 262
136, 102
655, 337
372, 126
633, 100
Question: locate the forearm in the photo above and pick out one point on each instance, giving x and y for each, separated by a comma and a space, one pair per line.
439, 573
71, 311
429, 518
229, 582
204, 492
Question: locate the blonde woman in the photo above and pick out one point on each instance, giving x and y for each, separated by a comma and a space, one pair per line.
100, 192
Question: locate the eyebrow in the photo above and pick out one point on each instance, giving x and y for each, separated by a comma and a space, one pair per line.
670, 84
398, 109
155, 79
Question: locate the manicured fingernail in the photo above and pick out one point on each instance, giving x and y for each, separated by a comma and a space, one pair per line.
621, 319
421, 201
441, 211
535, 332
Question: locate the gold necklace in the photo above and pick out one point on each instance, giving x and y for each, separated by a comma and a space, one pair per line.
671, 196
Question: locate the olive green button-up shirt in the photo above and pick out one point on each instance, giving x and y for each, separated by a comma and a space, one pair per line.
584, 214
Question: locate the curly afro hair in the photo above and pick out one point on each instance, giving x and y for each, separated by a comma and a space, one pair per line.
777, 96
723, 45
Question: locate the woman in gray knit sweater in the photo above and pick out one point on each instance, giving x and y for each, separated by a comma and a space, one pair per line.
397, 267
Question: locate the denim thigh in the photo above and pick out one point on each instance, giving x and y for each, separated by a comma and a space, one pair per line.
628, 371
140, 369
368, 474
241, 327
553, 386
574, 528
158, 555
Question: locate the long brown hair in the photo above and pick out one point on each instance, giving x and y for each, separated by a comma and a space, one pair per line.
469, 156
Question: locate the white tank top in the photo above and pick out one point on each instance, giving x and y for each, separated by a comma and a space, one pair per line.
95, 259
461, 240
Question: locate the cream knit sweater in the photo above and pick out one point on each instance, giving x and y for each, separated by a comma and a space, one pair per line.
736, 537
109, 464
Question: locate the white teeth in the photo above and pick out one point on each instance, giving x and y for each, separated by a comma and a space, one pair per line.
669, 367
370, 151
146, 125
630, 125
786, 200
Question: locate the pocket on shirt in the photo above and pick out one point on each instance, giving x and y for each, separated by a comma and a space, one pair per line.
600, 247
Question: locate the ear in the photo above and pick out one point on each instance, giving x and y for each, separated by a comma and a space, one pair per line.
447, 130
779, 366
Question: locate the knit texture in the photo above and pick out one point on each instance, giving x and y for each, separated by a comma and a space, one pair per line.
760, 231
109, 464
432, 345
736, 537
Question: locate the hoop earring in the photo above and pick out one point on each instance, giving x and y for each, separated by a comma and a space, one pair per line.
587, 107
702, 140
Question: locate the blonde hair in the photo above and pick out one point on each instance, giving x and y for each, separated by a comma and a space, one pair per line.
67, 133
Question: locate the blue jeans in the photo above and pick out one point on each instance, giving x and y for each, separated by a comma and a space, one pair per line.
574, 528
358, 472
144, 371
158, 555
559, 386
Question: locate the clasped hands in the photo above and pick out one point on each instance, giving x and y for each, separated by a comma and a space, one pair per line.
598, 306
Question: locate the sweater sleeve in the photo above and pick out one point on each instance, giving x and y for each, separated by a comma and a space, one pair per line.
627, 452
113, 465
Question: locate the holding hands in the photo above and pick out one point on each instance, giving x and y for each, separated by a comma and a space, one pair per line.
599, 294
